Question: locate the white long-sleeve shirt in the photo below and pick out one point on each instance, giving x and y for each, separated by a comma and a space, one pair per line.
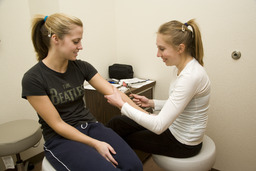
185, 111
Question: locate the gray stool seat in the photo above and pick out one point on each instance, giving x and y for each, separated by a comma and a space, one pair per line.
19, 135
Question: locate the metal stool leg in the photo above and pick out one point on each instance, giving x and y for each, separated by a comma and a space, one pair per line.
19, 163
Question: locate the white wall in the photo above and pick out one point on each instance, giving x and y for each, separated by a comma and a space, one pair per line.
99, 38
124, 31
14, 60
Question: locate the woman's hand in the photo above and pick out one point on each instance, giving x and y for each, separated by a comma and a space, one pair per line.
106, 151
115, 99
142, 101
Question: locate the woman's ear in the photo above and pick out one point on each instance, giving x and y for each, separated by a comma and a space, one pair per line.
55, 38
181, 48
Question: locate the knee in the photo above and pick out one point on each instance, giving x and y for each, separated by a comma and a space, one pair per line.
139, 166
133, 165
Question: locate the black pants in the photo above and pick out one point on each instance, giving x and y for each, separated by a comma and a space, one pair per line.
142, 139
65, 154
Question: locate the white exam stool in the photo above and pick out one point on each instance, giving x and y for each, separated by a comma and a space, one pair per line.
203, 161
46, 166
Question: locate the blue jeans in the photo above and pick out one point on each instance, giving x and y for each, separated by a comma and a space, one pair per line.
65, 154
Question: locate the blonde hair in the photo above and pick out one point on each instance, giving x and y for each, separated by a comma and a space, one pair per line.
177, 33
43, 27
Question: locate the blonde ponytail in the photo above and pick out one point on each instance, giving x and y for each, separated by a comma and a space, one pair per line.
177, 33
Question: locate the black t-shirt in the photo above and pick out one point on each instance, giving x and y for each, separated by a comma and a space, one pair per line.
65, 90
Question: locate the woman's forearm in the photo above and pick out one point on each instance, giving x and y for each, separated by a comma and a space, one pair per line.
130, 102
69, 132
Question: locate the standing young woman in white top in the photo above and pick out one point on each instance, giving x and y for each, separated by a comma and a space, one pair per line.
178, 129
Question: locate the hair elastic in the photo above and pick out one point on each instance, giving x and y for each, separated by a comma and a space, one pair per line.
183, 28
45, 18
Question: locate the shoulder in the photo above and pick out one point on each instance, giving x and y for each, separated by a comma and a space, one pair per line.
81, 64
34, 68
84, 67
194, 70
194, 73
33, 71
33, 76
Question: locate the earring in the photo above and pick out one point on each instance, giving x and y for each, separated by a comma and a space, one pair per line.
49, 33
